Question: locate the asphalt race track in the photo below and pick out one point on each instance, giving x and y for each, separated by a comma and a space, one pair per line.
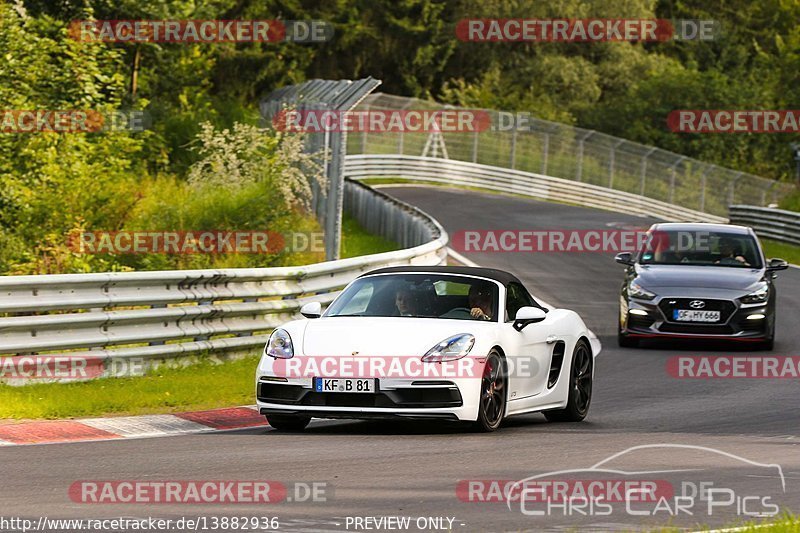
376, 469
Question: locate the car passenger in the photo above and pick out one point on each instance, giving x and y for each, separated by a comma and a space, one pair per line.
728, 256
404, 301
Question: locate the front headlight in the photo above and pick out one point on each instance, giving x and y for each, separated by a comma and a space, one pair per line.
637, 291
450, 349
760, 295
279, 345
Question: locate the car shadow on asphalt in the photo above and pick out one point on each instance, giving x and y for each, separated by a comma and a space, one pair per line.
426, 427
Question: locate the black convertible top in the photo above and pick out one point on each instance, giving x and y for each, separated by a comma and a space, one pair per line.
491, 273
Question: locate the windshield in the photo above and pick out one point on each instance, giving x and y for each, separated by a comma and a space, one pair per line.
418, 295
703, 248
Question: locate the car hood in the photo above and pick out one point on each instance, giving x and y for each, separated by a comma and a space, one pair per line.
385, 336
710, 277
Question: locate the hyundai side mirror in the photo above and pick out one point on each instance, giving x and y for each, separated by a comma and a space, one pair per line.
311, 310
624, 258
777, 264
528, 315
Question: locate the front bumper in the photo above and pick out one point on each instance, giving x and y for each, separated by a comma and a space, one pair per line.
455, 399
654, 319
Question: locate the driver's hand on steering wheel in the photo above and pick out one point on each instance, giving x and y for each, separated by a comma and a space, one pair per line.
477, 312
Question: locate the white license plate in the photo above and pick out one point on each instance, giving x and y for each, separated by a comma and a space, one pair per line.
368, 386
693, 315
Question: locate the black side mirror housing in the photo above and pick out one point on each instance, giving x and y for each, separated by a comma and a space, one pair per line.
777, 264
624, 258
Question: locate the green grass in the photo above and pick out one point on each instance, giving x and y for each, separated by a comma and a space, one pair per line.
205, 385
356, 241
789, 252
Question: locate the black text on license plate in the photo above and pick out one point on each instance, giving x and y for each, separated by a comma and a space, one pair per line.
695, 315
364, 385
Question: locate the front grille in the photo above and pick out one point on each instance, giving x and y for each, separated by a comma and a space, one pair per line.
275, 393
725, 307
428, 397
697, 329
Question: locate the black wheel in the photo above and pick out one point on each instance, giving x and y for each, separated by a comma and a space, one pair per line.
769, 342
624, 341
492, 405
580, 387
767, 345
288, 422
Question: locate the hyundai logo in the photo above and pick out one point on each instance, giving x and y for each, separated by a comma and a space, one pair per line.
697, 304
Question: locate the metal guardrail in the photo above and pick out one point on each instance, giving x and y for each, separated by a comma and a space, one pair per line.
329, 147
574, 154
160, 315
776, 224
465, 174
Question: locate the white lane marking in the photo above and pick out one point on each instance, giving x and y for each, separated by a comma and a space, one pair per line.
146, 425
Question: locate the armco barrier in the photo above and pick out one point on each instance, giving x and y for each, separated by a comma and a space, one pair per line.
465, 174
160, 315
776, 224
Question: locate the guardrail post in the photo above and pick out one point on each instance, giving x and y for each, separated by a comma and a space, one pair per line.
643, 173
672, 180
545, 150
703, 188
401, 135
765, 191
364, 133
512, 163
579, 172
611, 161
732, 187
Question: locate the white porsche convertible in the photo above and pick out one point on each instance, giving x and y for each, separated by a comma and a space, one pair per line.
455, 343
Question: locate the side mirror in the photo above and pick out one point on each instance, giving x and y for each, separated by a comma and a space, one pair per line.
624, 258
528, 315
311, 310
777, 264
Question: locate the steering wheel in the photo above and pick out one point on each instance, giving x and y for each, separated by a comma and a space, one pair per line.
458, 312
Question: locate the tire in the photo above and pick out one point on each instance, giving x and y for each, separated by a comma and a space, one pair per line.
623, 340
768, 344
493, 395
626, 342
288, 422
580, 387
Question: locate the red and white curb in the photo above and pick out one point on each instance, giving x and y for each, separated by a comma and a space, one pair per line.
125, 427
